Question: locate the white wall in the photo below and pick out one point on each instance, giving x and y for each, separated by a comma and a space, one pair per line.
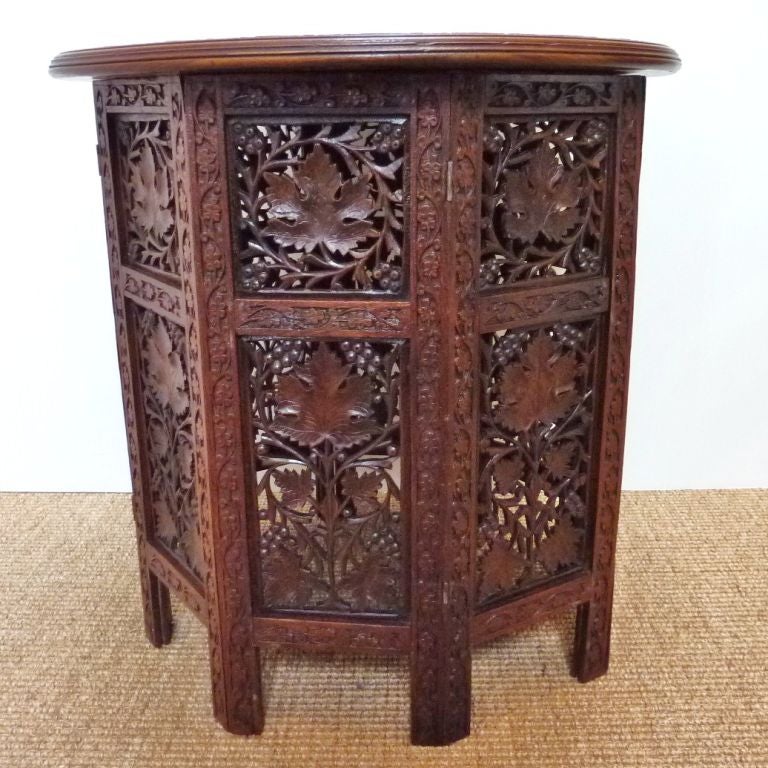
698, 415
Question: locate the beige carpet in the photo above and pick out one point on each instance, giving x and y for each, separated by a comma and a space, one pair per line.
688, 686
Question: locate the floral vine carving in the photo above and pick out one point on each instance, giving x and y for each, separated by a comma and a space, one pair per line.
168, 426
340, 92
136, 94
543, 197
536, 416
320, 206
146, 168
526, 93
326, 430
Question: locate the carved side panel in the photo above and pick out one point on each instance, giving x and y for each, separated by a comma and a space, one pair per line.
544, 188
326, 448
152, 601
319, 205
537, 407
163, 380
144, 208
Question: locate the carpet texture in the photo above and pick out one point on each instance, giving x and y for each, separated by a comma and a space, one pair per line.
688, 684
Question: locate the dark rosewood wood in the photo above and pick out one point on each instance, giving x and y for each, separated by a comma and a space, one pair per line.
373, 330
512, 52
593, 625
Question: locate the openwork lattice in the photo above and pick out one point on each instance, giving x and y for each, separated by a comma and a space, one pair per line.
320, 205
168, 428
326, 438
537, 405
146, 188
543, 197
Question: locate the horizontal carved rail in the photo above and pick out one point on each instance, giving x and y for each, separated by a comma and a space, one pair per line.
181, 584
330, 635
520, 307
152, 293
257, 317
530, 609
559, 94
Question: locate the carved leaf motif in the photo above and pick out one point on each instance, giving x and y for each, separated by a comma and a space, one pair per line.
295, 487
165, 372
501, 567
363, 488
376, 584
539, 387
314, 206
559, 460
323, 400
542, 197
166, 524
561, 547
284, 582
507, 474
193, 548
151, 194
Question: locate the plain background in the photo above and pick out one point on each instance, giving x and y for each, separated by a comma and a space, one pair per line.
698, 416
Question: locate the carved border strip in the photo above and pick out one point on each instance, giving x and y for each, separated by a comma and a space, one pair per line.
428, 450
531, 609
330, 92
179, 583
234, 662
520, 307
542, 94
465, 213
152, 294
145, 96
328, 635
594, 619
256, 317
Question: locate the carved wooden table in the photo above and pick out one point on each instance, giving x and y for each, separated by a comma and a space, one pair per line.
373, 299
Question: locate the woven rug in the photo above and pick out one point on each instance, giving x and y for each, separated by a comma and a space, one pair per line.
688, 684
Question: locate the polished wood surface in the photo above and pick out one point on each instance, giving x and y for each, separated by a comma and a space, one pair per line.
374, 336
518, 52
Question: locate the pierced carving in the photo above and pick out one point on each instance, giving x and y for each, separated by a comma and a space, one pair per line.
320, 205
148, 197
539, 93
168, 433
536, 417
326, 435
543, 197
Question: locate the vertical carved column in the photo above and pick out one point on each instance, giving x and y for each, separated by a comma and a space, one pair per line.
234, 660
443, 402
593, 628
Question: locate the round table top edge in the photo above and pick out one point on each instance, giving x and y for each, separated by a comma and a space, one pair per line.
468, 51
